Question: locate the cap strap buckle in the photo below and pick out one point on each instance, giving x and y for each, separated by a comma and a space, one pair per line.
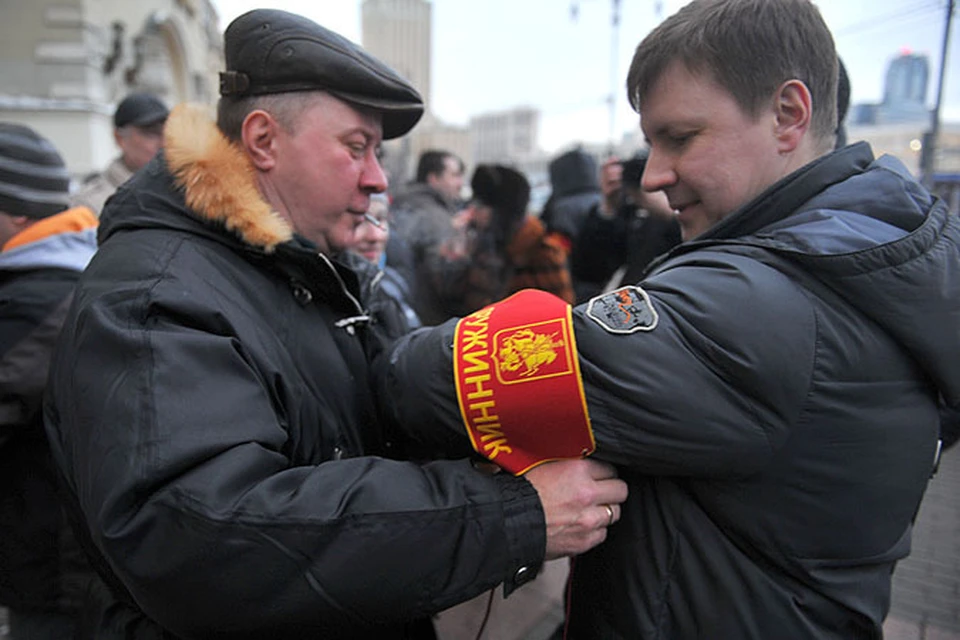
234, 83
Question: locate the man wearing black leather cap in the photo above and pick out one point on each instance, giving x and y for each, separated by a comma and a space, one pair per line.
209, 405
138, 132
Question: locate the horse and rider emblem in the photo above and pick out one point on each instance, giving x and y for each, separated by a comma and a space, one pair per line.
532, 352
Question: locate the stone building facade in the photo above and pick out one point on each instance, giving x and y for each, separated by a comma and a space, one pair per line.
67, 63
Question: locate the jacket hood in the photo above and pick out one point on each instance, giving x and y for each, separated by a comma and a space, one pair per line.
573, 172
67, 240
866, 229
213, 181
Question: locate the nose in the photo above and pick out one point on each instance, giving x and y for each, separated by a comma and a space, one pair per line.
658, 173
373, 179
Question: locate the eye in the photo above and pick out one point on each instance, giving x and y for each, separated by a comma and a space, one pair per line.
679, 139
358, 145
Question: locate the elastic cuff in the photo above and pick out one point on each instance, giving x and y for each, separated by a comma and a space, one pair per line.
526, 530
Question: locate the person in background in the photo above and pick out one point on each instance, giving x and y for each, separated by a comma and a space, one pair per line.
770, 390
574, 192
423, 210
43, 249
537, 259
210, 406
625, 231
385, 292
471, 268
138, 132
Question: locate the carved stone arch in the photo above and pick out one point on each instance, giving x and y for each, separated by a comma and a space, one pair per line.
160, 60
172, 33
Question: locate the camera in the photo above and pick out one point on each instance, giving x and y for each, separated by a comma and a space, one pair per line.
633, 168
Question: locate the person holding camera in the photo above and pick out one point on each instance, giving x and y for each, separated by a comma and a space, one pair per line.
624, 231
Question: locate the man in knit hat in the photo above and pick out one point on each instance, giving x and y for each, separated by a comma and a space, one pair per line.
138, 132
43, 249
210, 407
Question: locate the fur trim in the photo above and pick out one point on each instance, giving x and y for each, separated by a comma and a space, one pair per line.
524, 241
218, 178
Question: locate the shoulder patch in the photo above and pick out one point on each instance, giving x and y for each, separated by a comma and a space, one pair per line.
626, 310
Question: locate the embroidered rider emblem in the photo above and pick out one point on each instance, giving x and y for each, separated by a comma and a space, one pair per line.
626, 310
525, 351
531, 352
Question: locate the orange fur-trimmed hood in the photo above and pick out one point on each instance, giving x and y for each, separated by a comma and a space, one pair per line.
218, 179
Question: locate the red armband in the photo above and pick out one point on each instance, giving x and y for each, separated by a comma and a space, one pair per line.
518, 382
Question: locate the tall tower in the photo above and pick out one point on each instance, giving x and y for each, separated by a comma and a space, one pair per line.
399, 33
905, 90
907, 78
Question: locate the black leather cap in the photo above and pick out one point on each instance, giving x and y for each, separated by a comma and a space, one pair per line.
140, 110
271, 51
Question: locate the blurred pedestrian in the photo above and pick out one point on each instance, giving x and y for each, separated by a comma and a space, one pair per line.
385, 292
422, 211
43, 249
625, 231
575, 191
494, 249
138, 132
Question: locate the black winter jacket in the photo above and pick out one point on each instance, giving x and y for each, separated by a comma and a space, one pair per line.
777, 422
211, 413
628, 242
41, 566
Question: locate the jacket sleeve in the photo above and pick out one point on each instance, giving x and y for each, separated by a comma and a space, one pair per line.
181, 462
715, 386
31, 321
711, 389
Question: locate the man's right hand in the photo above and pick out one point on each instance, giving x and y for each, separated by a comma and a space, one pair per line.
580, 498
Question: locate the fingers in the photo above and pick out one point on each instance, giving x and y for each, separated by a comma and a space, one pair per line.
612, 161
611, 175
580, 499
611, 514
599, 470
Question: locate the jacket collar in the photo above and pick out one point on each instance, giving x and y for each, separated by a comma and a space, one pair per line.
218, 179
117, 172
66, 240
786, 196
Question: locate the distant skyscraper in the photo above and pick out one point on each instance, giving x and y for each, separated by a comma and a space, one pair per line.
399, 33
904, 94
907, 80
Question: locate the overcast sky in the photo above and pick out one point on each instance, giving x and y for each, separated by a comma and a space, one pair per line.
498, 54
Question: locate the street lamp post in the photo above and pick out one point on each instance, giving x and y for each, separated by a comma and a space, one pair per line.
930, 138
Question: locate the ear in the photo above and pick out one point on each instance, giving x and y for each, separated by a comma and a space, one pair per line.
793, 108
259, 133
